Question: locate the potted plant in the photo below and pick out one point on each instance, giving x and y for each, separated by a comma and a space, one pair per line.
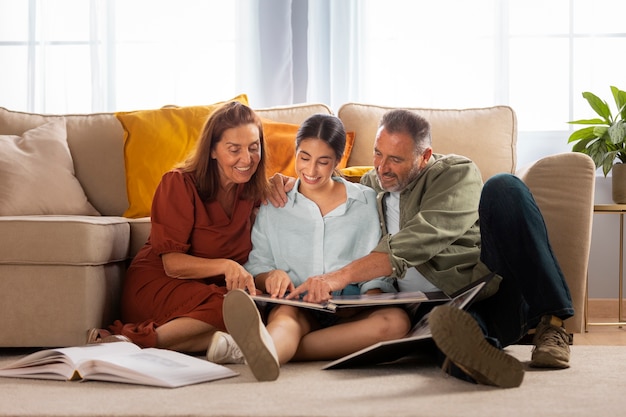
604, 139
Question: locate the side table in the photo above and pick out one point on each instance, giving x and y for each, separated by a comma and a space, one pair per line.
613, 209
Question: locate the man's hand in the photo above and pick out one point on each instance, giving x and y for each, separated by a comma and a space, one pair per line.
280, 185
319, 287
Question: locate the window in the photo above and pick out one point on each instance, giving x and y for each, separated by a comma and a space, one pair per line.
83, 56
534, 55
99, 55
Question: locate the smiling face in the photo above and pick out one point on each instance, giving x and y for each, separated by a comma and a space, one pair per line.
396, 160
237, 154
315, 163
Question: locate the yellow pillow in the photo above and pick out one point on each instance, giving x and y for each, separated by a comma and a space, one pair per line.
280, 146
155, 141
355, 173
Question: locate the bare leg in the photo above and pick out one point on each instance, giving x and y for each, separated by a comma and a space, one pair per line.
287, 325
362, 330
185, 335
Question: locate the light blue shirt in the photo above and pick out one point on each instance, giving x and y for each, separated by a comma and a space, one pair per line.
300, 241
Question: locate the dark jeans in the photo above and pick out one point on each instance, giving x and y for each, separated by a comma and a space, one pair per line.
515, 245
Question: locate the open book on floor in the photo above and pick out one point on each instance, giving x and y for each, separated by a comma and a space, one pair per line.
419, 335
117, 362
364, 300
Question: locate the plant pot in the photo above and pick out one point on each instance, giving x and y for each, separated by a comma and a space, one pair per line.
619, 183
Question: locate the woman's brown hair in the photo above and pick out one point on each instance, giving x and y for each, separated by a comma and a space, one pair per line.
205, 169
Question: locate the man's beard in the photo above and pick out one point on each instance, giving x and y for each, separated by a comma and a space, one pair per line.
400, 185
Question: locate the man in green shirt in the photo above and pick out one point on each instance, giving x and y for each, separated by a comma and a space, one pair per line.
442, 229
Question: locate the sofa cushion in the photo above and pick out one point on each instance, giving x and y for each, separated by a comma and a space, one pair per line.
37, 174
154, 141
92, 139
280, 145
295, 113
355, 173
487, 136
63, 240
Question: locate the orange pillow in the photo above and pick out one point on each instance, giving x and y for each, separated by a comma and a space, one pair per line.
280, 146
354, 173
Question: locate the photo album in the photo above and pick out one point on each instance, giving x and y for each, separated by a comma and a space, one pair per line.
419, 335
364, 300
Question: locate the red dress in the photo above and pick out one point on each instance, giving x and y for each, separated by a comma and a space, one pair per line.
181, 222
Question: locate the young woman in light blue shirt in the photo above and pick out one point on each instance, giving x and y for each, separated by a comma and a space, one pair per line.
327, 223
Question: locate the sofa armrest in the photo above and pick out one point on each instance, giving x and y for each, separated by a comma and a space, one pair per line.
563, 186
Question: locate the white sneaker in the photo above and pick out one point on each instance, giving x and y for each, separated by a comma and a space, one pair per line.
244, 324
223, 349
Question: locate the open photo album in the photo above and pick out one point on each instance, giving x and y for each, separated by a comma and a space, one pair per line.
419, 335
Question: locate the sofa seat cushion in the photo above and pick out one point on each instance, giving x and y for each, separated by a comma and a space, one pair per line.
139, 234
63, 240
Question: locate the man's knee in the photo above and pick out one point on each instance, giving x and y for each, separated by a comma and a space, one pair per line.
505, 190
503, 181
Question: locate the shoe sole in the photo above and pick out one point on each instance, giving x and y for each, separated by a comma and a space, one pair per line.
244, 324
460, 338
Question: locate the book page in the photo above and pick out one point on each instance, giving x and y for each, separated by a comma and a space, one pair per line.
60, 363
266, 298
157, 367
387, 298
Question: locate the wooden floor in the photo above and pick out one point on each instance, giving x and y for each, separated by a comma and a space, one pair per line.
603, 311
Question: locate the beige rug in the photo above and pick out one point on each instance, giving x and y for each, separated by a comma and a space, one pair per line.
595, 385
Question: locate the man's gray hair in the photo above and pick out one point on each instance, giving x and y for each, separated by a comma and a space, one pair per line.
408, 122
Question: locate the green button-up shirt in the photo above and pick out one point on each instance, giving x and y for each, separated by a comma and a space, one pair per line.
439, 230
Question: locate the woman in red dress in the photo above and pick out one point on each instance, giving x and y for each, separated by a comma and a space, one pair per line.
202, 215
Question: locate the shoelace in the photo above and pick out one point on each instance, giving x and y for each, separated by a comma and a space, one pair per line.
554, 336
233, 351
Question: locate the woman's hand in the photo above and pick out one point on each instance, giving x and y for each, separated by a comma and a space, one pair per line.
184, 266
318, 289
277, 283
280, 185
238, 278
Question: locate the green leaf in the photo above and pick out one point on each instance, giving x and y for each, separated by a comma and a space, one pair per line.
584, 133
601, 131
599, 106
617, 132
581, 145
620, 100
606, 167
588, 122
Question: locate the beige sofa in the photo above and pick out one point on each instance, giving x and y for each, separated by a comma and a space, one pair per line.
62, 274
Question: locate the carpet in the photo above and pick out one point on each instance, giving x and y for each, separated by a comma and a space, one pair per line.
594, 385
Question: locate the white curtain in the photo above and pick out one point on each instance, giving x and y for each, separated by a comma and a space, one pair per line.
334, 51
300, 51
109, 55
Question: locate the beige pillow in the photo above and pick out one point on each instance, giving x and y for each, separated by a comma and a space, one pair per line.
37, 174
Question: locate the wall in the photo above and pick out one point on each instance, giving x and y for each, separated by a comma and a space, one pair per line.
604, 257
